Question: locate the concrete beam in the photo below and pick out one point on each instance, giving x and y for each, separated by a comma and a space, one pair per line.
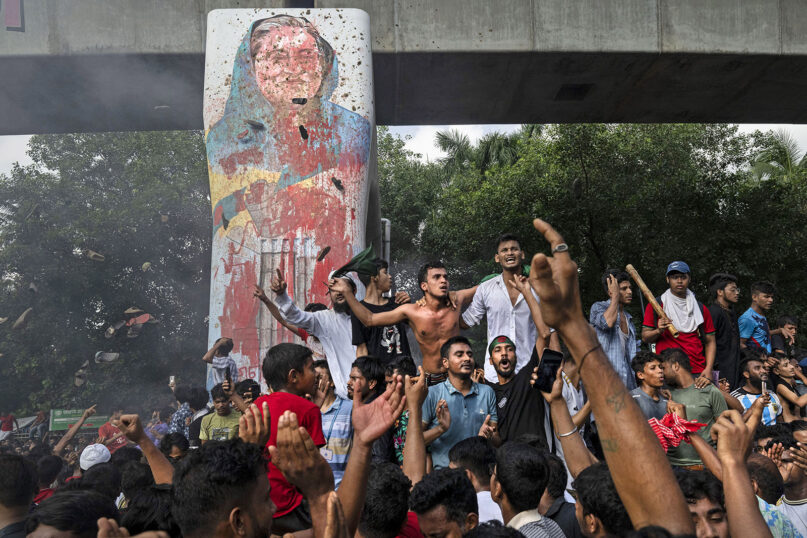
99, 65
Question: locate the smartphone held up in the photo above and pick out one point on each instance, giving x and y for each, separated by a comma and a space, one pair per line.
548, 369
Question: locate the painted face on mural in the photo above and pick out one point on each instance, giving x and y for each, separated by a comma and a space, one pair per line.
287, 64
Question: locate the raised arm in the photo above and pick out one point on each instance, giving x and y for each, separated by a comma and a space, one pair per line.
368, 319
414, 453
370, 422
210, 353
57, 450
522, 284
260, 294
289, 311
575, 452
733, 438
161, 468
638, 465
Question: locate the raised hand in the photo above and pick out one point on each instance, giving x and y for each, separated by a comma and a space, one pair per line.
799, 455
370, 421
254, 426
478, 375
340, 285
278, 285
443, 415
557, 386
259, 293
488, 429
416, 389
132, 428
732, 437
299, 459
402, 297
521, 283
613, 288
90, 411
774, 453
228, 388
554, 279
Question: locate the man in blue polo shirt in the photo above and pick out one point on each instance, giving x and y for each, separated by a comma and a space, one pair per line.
458, 408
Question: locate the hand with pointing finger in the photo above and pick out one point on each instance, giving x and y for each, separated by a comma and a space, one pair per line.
278, 285
488, 428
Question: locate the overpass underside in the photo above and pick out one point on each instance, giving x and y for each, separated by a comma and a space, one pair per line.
107, 65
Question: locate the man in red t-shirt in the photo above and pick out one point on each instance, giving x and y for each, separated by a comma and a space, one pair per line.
289, 371
694, 323
109, 434
8, 423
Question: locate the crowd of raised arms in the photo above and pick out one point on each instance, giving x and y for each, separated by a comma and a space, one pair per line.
573, 428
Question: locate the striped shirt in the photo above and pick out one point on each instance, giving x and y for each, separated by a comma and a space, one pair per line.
771, 411
338, 431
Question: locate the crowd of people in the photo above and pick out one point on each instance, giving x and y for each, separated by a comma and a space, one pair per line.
568, 427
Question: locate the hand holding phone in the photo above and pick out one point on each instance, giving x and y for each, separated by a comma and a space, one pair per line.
548, 370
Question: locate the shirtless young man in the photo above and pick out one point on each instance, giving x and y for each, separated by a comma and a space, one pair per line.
434, 320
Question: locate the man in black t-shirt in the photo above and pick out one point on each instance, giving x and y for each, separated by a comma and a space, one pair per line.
520, 406
386, 343
725, 293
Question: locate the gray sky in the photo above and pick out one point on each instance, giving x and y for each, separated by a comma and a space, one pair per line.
12, 148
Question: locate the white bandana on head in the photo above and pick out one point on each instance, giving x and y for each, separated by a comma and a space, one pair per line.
684, 313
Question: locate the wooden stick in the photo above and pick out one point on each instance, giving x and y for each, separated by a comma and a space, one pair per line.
651, 298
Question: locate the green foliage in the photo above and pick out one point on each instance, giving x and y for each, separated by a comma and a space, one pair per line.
109, 193
640, 194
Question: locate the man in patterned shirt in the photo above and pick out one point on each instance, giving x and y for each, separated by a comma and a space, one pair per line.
613, 324
753, 372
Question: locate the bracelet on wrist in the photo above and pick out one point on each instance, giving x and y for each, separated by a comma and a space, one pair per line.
568, 434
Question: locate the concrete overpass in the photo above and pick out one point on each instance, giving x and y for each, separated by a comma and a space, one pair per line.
102, 65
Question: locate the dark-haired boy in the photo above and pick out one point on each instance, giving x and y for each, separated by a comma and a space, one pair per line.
504, 307
385, 342
221, 364
702, 405
221, 424
18, 485
289, 371
704, 495
445, 504
783, 341
434, 319
553, 503
614, 326
650, 378
754, 329
477, 457
725, 294
336, 423
599, 509
457, 408
518, 481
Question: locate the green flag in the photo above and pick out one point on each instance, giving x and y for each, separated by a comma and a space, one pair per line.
362, 263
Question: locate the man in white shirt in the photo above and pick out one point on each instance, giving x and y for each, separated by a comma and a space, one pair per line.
332, 328
507, 313
477, 457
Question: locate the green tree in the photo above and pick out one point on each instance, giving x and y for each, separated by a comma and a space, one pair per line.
134, 198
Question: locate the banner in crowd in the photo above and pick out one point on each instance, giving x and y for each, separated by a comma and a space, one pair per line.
63, 419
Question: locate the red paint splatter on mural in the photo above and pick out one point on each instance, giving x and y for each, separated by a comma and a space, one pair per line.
249, 156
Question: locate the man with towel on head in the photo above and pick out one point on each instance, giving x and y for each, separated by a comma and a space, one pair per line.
692, 319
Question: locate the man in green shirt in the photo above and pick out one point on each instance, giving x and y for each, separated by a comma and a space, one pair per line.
223, 424
703, 405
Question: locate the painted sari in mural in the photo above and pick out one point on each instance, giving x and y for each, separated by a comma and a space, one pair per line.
288, 178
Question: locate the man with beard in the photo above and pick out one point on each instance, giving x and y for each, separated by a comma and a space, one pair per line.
754, 373
725, 293
519, 407
458, 408
434, 319
502, 302
702, 404
331, 327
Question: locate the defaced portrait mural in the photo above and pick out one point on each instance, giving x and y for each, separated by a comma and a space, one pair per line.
288, 166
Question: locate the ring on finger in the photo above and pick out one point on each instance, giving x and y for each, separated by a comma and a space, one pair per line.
561, 247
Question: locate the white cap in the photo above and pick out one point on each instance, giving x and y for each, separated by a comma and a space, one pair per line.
92, 455
354, 278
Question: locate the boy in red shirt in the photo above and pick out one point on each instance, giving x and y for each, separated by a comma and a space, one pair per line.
289, 371
694, 323
109, 434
